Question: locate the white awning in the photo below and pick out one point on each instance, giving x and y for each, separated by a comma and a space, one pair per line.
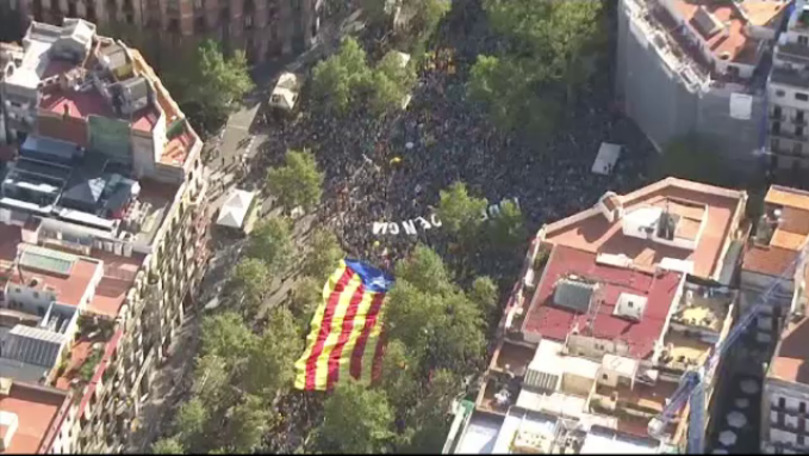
235, 208
608, 154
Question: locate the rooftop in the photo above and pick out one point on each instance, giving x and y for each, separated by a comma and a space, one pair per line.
65, 275
591, 231
781, 231
35, 408
703, 307
549, 319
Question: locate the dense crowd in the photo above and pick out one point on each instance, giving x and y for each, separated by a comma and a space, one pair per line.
392, 169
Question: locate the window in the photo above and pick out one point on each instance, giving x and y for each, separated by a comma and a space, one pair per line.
779, 93
803, 39
799, 131
776, 112
802, 407
36, 295
782, 403
248, 21
776, 128
40, 311
16, 290
604, 377
801, 96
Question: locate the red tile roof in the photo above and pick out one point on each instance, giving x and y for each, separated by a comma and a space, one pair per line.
71, 129
36, 408
70, 288
547, 320
119, 275
590, 231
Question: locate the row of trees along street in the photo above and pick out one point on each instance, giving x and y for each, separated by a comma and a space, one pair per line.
442, 308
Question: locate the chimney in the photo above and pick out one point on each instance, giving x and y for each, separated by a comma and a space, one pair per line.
65, 112
8, 427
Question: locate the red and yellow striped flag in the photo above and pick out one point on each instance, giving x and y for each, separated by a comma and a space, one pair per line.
345, 335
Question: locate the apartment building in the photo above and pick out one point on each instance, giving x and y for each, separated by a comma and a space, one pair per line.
781, 234
699, 67
264, 29
615, 303
788, 94
103, 231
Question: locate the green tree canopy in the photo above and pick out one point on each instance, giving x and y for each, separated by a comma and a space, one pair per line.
191, 421
306, 296
337, 80
551, 52
484, 294
270, 360
225, 335
425, 270
357, 420
460, 212
299, 182
167, 446
325, 254
507, 230
271, 242
249, 421
251, 280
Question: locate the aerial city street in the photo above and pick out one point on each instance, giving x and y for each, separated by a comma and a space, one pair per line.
404, 226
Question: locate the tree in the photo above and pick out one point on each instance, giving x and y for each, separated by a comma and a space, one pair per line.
390, 83
251, 278
271, 359
271, 242
226, 336
211, 381
484, 294
398, 378
378, 13
305, 298
324, 256
167, 446
459, 212
249, 421
507, 231
299, 182
426, 14
428, 423
550, 53
425, 270
357, 420
191, 419
218, 84
337, 80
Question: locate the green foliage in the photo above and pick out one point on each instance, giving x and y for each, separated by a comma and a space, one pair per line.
459, 212
437, 322
225, 335
252, 280
249, 421
336, 80
378, 12
306, 296
190, 421
167, 446
88, 368
551, 50
357, 420
270, 361
484, 294
425, 16
271, 242
507, 230
211, 379
428, 424
345, 80
399, 378
299, 182
693, 158
218, 83
325, 255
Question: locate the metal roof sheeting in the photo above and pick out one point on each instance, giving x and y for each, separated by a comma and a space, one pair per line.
33, 345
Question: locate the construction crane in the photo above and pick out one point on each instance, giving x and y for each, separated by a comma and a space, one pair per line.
692, 384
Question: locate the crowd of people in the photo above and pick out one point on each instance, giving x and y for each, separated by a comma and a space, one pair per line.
392, 168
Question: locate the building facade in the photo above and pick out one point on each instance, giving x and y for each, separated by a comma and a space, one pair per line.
264, 29
103, 231
788, 95
698, 68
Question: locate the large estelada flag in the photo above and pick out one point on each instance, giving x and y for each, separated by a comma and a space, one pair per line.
344, 339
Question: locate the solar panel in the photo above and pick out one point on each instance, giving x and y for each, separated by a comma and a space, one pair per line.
47, 260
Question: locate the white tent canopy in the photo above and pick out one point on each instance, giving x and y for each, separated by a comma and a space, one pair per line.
234, 210
608, 154
285, 93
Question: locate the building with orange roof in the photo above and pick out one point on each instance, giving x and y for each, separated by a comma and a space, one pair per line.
782, 233
699, 67
614, 305
102, 236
